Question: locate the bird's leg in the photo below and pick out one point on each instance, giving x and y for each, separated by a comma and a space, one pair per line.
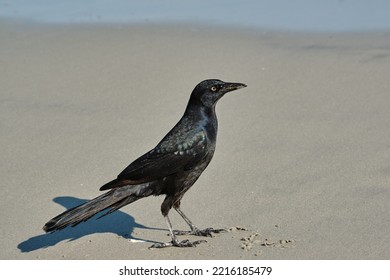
194, 230
175, 242
187, 220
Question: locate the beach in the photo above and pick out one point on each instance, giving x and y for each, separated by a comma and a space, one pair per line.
302, 164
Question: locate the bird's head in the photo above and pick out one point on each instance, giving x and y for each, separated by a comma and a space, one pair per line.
208, 92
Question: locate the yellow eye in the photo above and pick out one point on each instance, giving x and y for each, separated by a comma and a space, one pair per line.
213, 88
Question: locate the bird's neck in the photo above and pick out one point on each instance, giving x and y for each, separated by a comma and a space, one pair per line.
200, 111
205, 117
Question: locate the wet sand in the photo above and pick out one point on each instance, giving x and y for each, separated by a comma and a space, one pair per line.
302, 165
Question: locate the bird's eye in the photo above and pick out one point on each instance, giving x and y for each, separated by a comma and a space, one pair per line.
213, 88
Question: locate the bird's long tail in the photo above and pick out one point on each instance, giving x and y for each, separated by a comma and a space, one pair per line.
113, 199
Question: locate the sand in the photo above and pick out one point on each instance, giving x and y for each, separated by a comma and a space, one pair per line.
302, 165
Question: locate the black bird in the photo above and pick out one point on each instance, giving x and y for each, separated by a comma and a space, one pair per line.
169, 169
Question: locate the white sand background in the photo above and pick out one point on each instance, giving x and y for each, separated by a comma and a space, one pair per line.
303, 153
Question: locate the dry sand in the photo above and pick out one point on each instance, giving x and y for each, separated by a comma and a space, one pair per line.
303, 153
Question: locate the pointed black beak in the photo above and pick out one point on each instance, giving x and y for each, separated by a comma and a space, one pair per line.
232, 86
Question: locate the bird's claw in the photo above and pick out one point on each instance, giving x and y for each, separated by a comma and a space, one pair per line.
183, 244
208, 232
204, 232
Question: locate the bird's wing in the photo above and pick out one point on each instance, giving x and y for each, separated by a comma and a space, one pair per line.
166, 159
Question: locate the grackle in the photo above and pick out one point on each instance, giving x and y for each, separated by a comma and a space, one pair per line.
169, 169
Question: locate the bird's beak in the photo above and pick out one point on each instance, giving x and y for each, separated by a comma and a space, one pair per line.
232, 86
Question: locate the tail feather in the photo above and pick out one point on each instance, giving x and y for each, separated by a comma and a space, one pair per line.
120, 204
113, 199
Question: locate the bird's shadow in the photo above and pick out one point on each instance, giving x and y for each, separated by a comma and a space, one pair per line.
119, 223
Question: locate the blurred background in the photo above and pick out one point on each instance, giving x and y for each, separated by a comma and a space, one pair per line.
302, 15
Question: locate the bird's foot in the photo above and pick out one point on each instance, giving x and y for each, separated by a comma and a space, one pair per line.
182, 244
204, 232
